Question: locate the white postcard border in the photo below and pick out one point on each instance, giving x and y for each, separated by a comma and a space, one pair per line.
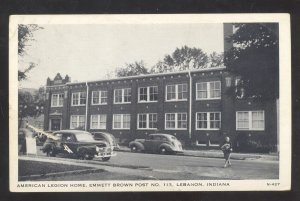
284, 181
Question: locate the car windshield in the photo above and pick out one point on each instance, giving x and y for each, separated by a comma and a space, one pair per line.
84, 137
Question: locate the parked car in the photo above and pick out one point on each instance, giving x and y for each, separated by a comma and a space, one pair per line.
40, 138
78, 143
108, 137
157, 143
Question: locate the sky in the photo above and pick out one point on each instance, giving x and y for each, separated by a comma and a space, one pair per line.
89, 52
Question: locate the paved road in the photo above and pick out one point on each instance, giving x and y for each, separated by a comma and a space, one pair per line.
128, 165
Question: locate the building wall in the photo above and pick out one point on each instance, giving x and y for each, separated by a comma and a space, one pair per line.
227, 105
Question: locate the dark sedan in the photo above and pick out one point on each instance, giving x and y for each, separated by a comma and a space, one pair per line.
78, 143
157, 143
108, 137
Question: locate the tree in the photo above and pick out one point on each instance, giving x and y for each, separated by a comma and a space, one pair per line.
136, 68
26, 105
255, 58
25, 35
31, 105
216, 60
183, 58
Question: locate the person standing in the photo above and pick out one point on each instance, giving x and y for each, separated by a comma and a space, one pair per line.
227, 149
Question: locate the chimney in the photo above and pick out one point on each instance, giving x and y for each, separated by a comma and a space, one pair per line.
48, 83
228, 31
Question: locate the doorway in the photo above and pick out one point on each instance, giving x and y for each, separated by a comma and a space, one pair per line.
55, 124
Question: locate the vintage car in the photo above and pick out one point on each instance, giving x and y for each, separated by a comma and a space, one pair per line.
79, 143
108, 137
157, 143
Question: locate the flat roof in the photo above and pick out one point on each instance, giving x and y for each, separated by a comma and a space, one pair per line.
144, 76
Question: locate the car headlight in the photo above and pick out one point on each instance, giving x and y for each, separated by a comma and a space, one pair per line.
97, 149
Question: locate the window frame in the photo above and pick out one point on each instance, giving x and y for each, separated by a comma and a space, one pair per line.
207, 121
122, 96
58, 99
99, 97
147, 121
250, 121
122, 122
176, 92
148, 95
77, 121
208, 90
176, 121
98, 121
79, 94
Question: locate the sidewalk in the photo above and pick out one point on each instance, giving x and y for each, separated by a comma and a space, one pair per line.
219, 154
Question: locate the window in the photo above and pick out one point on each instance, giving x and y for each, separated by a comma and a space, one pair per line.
208, 120
176, 92
148, 94
250, 120
98, 121
176, 121
78, 98
57, 100
121, 121
77, 122
122, 95
208, 90
99, 97
147, 121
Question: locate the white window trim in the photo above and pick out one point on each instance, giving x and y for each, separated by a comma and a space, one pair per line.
208, 122
148, 95
123, 89
208, 91
147, 121
98, 121
250, 121
176, 121
78, 99
176, 93
77, 120
122, 122
57, 100
99, 98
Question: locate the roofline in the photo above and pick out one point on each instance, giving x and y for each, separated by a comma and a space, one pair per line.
143, 76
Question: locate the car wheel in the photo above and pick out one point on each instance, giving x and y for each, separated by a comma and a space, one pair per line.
105, 158
89, 157
162, 150
51, 151
134, 148
84, 155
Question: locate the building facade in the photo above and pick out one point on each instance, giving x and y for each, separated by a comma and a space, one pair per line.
194, 106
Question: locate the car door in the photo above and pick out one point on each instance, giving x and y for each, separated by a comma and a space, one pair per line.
149, 143
157, 140
69, 143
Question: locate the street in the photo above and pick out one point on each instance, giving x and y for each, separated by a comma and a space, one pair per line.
135, 166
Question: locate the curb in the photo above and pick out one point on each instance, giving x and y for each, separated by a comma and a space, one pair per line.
253, 157
59, 174
92, 162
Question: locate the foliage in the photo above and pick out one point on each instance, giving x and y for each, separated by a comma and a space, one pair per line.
254, 58
136, 68
216, 60
25, 35
183, 58
31, 105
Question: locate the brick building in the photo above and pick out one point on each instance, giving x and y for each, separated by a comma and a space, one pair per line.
192, 105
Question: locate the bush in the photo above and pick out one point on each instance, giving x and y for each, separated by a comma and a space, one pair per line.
255, 147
